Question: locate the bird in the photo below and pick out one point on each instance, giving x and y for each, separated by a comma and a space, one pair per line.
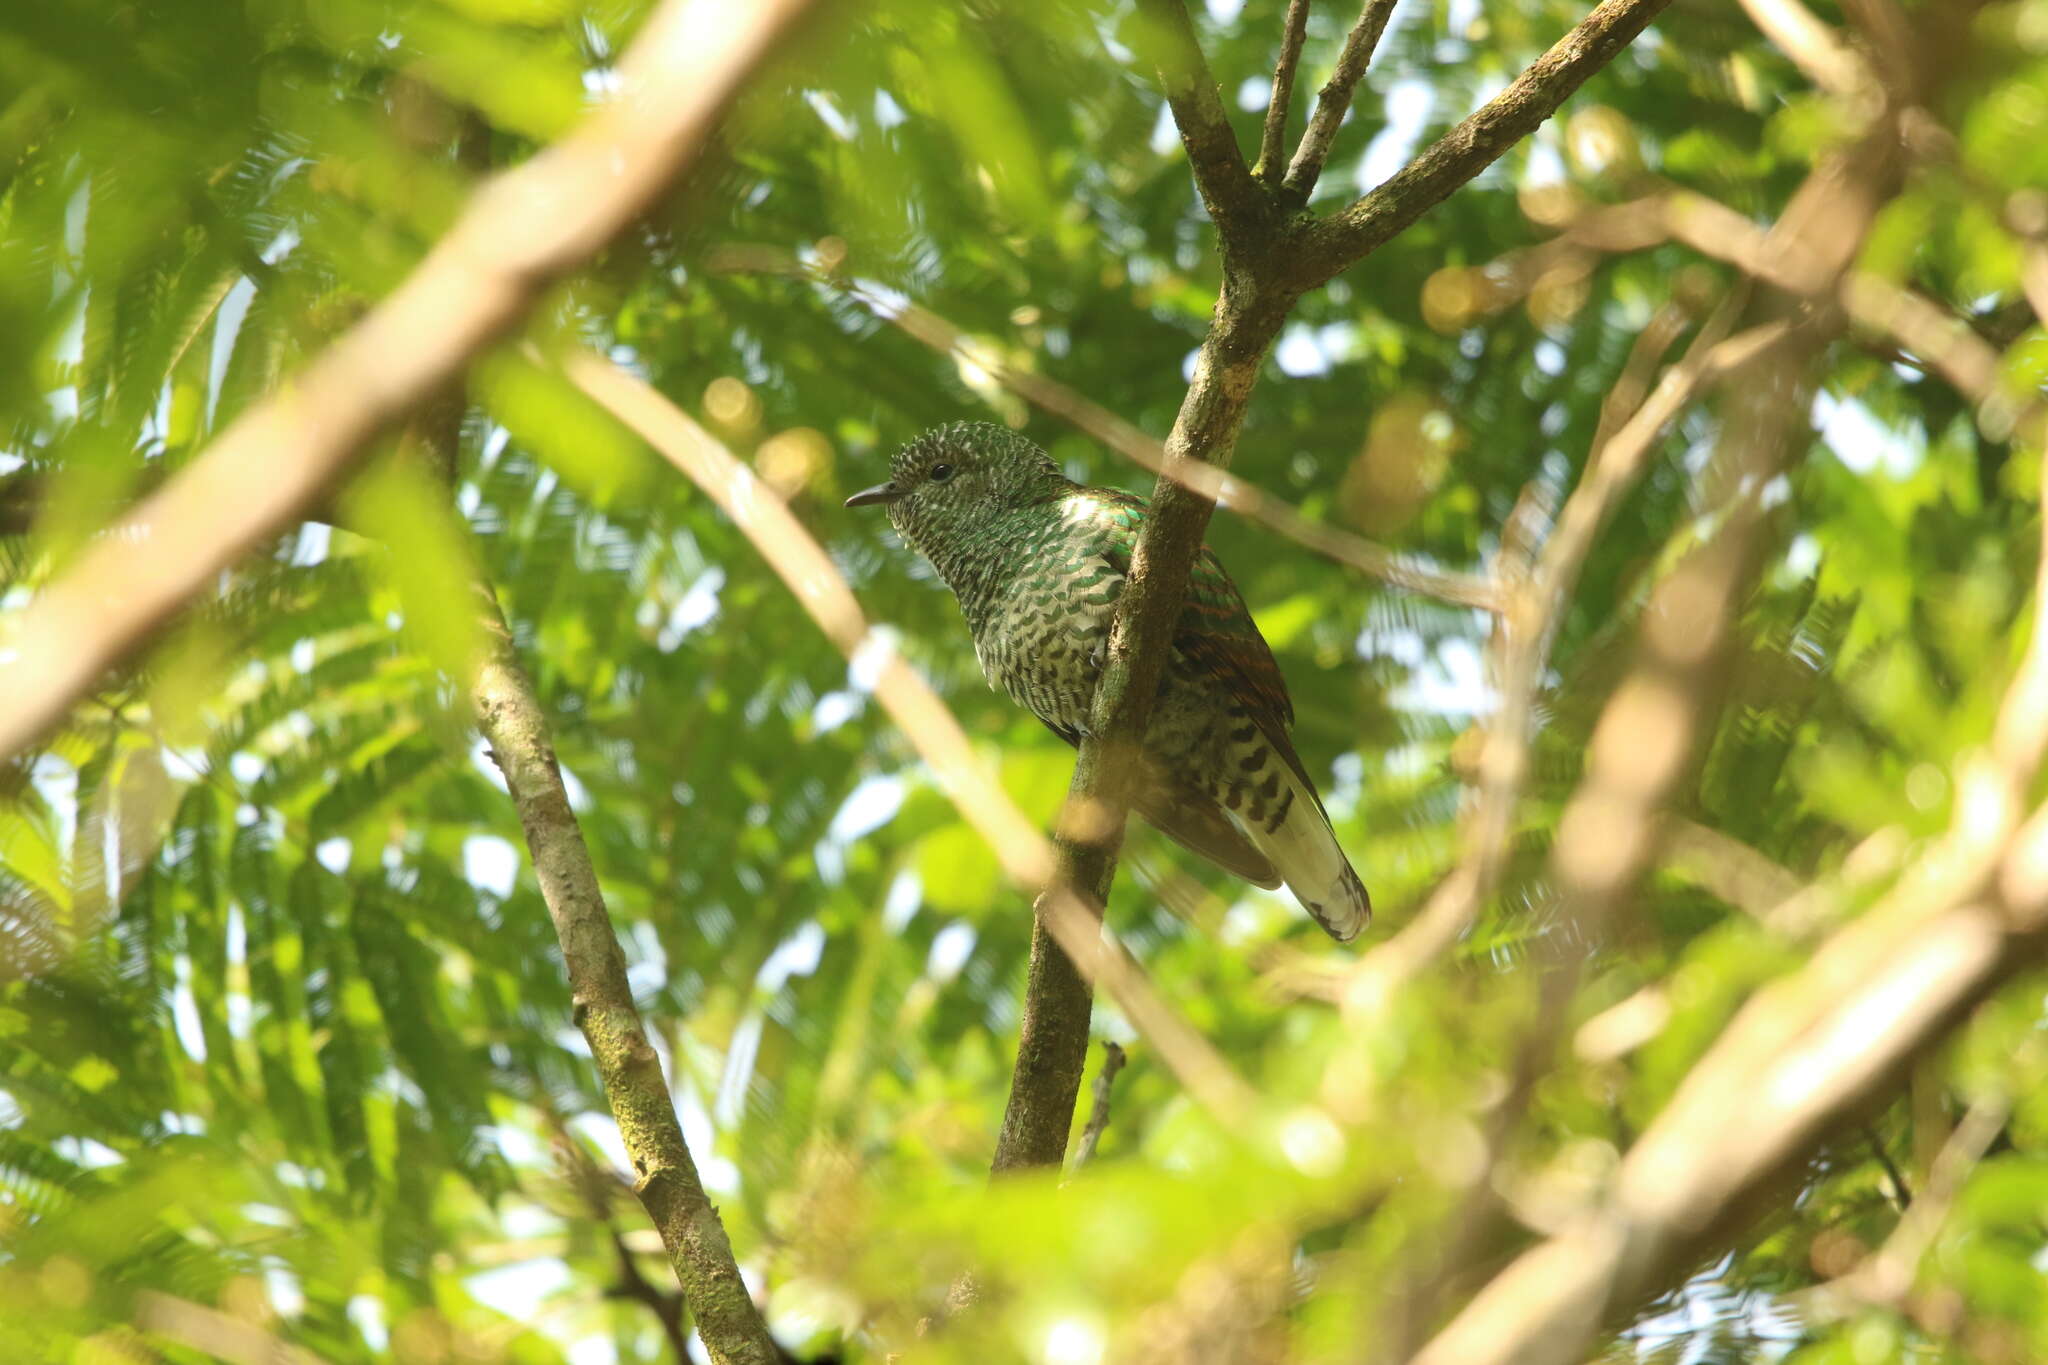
1037, 562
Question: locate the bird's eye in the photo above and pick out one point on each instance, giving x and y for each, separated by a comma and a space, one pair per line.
941, 472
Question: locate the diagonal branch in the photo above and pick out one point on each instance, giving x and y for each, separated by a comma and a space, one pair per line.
1333, 101
512, 721
1235, 201
1815, 48
1332, 245
515, 727
518, 234
1272, 137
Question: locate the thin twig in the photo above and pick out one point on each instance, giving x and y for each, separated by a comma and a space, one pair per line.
1273, 136
519, 233
1098, 1116
1901, 1190
1333, 101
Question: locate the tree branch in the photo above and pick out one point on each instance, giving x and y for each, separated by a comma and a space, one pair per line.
1814, 48
1272, 136
1236, 203
1333, 101
518, 234
512, 721
1263, 275
1332, 245
1821, 1045
1534, 612
1098, 1118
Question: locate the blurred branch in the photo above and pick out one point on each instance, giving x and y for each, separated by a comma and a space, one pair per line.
214, 1334
1534, 612
1331, 245
1728, 869
1098, 1117
518, 234
1108, 429
1828, 61
1922, 327
2034, 279
1796, 917
1026, 856
1273, 136
1801, 1056
1333, 101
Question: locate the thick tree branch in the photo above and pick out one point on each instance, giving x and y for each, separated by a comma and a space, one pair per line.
1273, 135
1332, 245
1333, 101
519, 233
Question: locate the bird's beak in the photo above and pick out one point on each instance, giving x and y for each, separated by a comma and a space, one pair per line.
882, 494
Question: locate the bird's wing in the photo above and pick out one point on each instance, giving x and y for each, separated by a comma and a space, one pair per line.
1217, 633
1194, 822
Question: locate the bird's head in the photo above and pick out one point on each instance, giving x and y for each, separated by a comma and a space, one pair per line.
954, 480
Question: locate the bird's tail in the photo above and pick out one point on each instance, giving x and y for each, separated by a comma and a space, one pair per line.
1303, 849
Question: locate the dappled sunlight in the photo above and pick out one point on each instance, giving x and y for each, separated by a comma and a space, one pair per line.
497, 864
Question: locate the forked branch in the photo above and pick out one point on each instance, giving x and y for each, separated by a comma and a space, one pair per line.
1235, 201
1334, 244
1264, 273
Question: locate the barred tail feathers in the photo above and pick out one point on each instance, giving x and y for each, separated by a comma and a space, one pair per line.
1304, 850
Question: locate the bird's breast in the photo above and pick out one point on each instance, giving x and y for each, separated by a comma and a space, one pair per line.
1040, 639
